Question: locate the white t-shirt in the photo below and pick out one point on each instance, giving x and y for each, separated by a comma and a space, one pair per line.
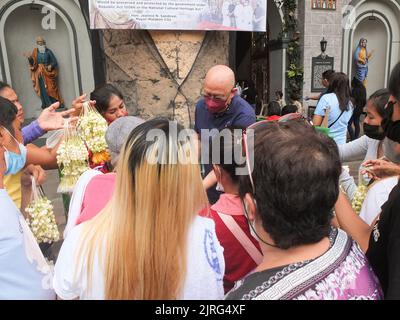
377, 195
205, 267
24, 273
339, 129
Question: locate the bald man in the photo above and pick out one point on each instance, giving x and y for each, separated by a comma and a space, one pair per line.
219, 108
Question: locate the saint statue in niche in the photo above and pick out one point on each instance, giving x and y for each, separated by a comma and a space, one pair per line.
44, 72
361, 61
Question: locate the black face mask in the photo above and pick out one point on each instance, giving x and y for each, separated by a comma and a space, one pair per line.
373, 132
391, 128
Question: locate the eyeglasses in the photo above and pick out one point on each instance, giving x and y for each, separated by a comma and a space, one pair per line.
217, 97
250, 132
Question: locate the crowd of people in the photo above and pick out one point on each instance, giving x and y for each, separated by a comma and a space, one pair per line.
240, 208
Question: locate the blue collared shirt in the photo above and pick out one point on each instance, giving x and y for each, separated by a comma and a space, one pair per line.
239, 115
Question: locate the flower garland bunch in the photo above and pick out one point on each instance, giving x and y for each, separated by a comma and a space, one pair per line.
359, 196
92, 129
40, 217
72, 158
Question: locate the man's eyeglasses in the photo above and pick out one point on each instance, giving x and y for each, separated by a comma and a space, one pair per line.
217, 97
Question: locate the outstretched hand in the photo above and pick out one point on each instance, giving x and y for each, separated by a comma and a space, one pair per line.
50, 119
77, 104
380, 169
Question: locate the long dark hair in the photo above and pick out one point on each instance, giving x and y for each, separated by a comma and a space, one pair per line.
103, 95
394, 83
358, 95
340, 85
379, 100
8, 113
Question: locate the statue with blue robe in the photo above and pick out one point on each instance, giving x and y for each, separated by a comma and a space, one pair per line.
44, 73
361, 61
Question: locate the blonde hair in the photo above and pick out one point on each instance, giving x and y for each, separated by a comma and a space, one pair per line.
141, 235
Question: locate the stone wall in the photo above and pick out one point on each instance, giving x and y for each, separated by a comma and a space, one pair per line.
316, 24
160, 73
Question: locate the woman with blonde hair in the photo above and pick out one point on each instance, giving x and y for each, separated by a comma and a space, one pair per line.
148, 243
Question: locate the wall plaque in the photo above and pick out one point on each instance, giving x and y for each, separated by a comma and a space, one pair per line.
319, 65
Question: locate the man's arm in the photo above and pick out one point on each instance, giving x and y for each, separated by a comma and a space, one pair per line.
351, 223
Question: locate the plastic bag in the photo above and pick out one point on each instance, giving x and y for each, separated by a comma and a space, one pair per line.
72, 159
360, 194
54, 138
92, 129
40, 216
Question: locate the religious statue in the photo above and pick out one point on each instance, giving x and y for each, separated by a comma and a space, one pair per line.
361, 61
44, 72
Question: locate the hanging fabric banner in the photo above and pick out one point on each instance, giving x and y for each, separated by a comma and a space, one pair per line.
235, 15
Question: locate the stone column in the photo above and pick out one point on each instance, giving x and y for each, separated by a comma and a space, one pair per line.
316, 24
160, 73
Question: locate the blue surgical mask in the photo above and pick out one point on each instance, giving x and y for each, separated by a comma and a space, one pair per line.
15, 162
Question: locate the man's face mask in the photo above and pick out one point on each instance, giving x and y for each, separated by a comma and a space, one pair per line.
391, 128
215, 105
390, 150
14, 162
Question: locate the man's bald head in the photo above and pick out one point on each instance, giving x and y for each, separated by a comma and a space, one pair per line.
219, 86
220, 77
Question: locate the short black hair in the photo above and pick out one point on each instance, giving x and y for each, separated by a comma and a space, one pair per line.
230, 146
291, 108
8, 113
280, 93
379, 100
296, 179
274, 109
358, 95
4, 85
394, 82
102, 95
327, 74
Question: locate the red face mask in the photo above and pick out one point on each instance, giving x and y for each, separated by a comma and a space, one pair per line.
215, 105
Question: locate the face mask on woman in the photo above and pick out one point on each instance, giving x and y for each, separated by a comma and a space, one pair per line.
391, 128
389, 150
373, 132
14, 162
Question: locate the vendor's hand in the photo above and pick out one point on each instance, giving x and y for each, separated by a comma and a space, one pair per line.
50, 119
34, 171
77, 104
380, 169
